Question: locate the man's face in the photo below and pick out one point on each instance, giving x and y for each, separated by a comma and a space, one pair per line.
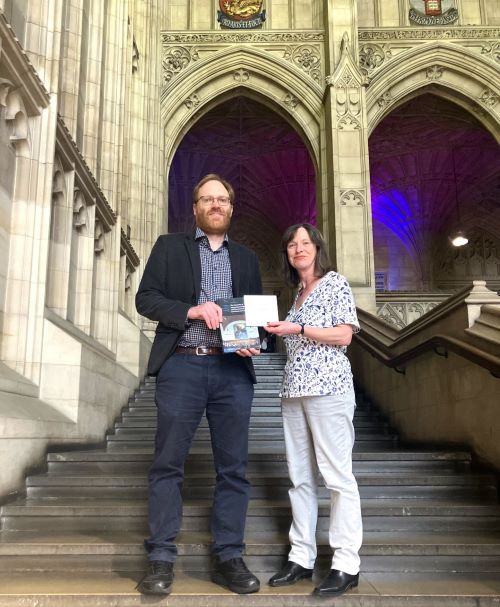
213, 217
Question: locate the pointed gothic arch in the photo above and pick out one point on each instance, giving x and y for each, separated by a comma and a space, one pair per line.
236, 71
445, 69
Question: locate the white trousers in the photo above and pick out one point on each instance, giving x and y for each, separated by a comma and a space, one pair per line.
319, 436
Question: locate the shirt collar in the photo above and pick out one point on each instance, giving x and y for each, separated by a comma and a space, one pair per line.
199, 234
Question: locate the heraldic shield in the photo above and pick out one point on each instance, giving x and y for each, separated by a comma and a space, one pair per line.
241, 13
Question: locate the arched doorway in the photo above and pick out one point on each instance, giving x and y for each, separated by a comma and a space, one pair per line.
434, 168
269, 166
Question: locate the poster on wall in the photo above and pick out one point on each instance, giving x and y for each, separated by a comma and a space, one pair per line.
433, 12
241, 14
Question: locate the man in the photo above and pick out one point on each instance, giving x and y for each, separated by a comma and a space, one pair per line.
184, 276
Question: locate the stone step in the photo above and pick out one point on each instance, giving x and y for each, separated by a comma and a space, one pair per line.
265, 411
258, 431
139, 460
372, 485
254, 442
396, 589
263, 515
124, 551
136, 423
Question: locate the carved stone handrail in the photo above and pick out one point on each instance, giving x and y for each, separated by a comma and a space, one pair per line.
400, 308
467, 324
444, 342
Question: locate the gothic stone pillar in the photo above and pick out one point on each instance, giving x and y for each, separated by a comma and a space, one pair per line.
346, 181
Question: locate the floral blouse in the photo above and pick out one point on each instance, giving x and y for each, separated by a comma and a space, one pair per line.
315, 369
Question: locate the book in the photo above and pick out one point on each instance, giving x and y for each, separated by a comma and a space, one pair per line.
235, 333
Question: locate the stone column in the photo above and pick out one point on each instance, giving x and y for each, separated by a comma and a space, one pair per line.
346, 209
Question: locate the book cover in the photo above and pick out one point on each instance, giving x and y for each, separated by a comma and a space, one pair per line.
234, 330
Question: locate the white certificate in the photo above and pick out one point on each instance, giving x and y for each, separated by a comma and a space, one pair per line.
260, 309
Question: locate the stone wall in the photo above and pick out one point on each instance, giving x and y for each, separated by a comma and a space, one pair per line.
78, 84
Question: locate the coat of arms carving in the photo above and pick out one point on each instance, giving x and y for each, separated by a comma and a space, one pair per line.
241, 14
433, 12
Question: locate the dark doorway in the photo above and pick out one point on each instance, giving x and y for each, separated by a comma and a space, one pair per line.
265, 160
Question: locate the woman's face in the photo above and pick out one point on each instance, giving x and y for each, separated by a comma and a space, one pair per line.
301, 251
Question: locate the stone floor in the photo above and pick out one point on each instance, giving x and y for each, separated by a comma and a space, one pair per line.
380, 589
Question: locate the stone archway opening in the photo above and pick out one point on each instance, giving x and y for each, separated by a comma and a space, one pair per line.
269, 166
427, 157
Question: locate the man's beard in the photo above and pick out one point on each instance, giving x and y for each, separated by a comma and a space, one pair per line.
203, 222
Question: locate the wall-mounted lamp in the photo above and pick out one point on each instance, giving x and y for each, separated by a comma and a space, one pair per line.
457, 239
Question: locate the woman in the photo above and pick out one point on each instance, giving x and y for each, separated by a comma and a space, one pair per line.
318, 407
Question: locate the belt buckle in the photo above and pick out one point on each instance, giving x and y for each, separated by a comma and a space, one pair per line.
199, 351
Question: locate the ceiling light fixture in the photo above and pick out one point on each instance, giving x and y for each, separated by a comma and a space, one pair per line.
458, 239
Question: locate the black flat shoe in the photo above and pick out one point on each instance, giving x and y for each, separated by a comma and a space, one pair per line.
234, 574
158, 580
289, 574
336, 583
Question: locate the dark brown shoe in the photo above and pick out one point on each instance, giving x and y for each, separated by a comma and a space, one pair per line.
289, 574
336, 583
159, 578
234, 574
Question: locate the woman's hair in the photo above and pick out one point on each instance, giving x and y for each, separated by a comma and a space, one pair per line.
213, 177
322, 263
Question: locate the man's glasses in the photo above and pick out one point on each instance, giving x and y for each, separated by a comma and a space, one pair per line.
223, 201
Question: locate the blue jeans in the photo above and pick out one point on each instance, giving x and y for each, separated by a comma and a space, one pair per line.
187, 386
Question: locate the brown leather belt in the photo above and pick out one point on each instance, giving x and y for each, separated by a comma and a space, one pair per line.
200, 350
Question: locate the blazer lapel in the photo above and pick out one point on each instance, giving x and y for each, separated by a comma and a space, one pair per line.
194, 258
234, 256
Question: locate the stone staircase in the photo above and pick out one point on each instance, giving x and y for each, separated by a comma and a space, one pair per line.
432, 526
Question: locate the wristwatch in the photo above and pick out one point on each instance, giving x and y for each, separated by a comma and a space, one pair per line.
302, 325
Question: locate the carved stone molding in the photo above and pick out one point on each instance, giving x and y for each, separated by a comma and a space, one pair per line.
5, 87
15, 114
98, 237
241, 75
135, 56
401, 314
479, 259
492, 50
372, 56
17, 67
291, 101
489, 98
429, 34
348, 123
347, 73
193, 101
239, 37
352, 198
434, 72
128, 277
175, 59
58, 183
79, 210
307, 58
384, 99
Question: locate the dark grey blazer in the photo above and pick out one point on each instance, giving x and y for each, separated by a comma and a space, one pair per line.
171, 285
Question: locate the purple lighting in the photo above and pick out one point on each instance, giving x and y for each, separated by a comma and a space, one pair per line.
415, 183
259, 153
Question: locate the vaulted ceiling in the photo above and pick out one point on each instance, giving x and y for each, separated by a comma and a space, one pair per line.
425, 157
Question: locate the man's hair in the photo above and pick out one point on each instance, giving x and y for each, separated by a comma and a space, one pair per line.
322, 263
212, 177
